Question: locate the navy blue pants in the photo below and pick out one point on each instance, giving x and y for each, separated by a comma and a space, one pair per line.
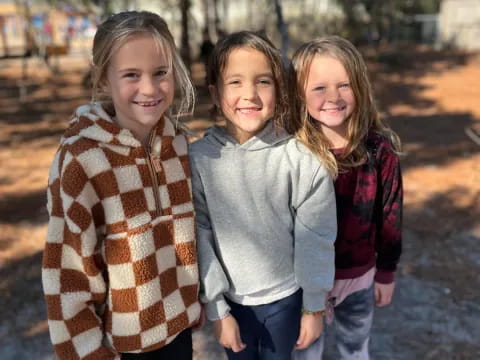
270, 331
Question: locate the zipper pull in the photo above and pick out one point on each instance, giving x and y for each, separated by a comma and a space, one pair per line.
156, 163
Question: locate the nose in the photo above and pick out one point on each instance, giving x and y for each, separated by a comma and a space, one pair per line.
332, 94
249, 92
147, 86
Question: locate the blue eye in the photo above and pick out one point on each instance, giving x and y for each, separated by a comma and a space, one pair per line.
161, 73
130, 75
319, 88
345, 86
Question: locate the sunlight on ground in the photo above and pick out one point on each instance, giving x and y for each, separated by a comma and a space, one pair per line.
441, 170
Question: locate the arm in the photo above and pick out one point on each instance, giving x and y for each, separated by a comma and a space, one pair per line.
72, 281
227, 333
315, 232
388, 244
213, 281
311, 327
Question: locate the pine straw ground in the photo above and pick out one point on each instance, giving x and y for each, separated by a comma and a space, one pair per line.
429, 98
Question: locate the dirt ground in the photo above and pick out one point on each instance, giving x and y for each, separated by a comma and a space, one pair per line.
429, 98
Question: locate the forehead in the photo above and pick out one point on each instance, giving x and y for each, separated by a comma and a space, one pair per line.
246, 61
327, 67
141, 51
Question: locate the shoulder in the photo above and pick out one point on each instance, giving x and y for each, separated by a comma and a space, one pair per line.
379, 145
303, 159
294, 147
387, 161
180, 144
200, 147
83, 158
68, 171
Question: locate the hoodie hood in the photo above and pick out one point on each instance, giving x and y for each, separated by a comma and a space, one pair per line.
268, 137
92, 122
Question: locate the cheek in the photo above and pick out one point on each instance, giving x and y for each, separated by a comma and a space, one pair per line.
125, 91
268, 98
228, 100
168, 89
312, 103
121, 89
351, 100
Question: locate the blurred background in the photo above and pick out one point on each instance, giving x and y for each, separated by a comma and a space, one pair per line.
424, 62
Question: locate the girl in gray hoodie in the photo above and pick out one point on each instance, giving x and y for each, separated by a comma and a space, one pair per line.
265, 210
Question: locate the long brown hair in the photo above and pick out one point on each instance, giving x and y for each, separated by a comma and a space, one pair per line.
114, 32
249, 39
363, 119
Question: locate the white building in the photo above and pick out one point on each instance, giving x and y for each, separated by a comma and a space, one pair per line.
460, 24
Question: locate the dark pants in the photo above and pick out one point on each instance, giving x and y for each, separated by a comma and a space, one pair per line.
178, 349
270, 331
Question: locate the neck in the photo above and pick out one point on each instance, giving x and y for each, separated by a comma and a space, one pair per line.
337, 139
141, 133
144, 138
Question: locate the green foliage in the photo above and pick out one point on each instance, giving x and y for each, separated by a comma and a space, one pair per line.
378, 17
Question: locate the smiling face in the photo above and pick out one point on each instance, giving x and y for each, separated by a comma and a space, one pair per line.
245, 93
329, 97
140, 83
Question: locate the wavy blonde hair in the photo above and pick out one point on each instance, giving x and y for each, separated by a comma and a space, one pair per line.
363, 119
114, 32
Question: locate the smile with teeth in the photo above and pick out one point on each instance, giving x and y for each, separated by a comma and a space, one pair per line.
248, 110
335, 109
147, 103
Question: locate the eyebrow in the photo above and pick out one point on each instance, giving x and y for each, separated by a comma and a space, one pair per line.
163, 67
266, 74
317, 83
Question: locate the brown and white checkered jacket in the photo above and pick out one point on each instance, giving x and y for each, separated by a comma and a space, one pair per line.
120, 266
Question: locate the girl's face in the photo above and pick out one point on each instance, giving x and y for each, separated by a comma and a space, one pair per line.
329, 96
140, 83
245, 93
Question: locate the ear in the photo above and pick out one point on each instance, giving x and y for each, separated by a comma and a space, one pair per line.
105, 86
214, 95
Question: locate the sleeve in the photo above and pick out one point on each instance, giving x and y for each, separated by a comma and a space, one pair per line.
73, 283
213, 280
388, 244
315, 232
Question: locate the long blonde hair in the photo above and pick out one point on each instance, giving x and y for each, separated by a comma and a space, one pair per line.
114, 32
364, 118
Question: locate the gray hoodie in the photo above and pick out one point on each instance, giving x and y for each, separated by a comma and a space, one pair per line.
266, 220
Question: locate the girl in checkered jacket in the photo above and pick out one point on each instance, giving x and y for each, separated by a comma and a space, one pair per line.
337, 119
120, 270
265, 206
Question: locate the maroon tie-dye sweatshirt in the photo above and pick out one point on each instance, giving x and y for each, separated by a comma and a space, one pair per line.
369, 210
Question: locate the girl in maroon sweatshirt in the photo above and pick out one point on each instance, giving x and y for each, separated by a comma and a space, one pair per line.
336, 117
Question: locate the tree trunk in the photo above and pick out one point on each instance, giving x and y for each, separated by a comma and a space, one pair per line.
206, 13
225, 13
282, 28
185, 42
216, 18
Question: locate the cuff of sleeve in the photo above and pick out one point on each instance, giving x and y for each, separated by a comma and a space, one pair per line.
217, 309
384, 277
314, 301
